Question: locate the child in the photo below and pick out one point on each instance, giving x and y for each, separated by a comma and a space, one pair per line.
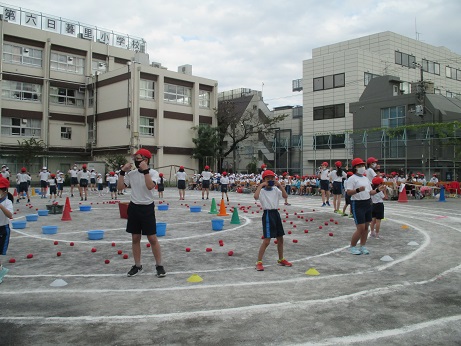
347, 197
269, 197
60, 182
52, 185
224, 184
160, 185
6, 213
112, 180
377, 213
100, 184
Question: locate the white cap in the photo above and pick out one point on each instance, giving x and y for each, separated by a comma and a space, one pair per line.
44, 167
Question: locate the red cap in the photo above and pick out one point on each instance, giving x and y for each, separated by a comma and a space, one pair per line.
224, 173
83, 166
263, 166
144, 152
4, 183
377, 180
181, 167
160, 174
268, 173
349, 173
53, 175
23, 169
371, 160
112, 173
357, 161
325, 164
207, 167
338, 163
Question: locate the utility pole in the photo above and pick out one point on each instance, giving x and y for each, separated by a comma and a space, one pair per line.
421, 94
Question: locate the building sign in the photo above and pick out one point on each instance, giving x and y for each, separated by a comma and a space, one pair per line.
70, 28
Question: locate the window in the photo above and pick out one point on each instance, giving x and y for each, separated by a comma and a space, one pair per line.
146, 126
329, 82
368, 77
90, 98
331, 141
146, 89
177, 94
453, 73
330, 112
98, 66
21, 91
67, 63
204, 99
405, 59
431, 67
22, 55
67, 97
21, 127
393, 116
297, 112
66, 132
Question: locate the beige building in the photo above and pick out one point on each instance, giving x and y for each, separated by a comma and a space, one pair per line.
89, 93
337, 75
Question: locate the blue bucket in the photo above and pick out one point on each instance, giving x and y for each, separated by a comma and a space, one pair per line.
195, 209
162, 207
19, 224
50, 229
32, 217
161, 229
217, 224
85, 207
42, 212
96, 234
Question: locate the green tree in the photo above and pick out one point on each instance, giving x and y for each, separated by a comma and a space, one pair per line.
29, 149
206, 144
115, 161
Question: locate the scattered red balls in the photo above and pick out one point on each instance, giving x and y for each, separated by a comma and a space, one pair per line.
59, 254
295, 241
306, 231
30, 256
230, 253
12, 260
56, 242
330, 234
106, 261
320, 227
289, 232
119, 252
93, 249
148, 245
209, 249
71, 243
113, 244
187, 249
275, 241
125, 256
326, 223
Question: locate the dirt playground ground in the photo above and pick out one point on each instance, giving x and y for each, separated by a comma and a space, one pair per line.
406, 292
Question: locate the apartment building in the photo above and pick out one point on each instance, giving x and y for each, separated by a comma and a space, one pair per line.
337, 75
89, 93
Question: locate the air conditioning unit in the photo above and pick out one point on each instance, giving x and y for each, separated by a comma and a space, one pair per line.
156, 64
186, 69
24, 121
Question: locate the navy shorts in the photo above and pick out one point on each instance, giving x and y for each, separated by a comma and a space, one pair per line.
205, 184
348, 199
181, 184
113, 187
93, 181
4, 239
43, 184
377, 211
73, 181
272, 224
324, 185
361, 211
60, 186
100, 186
161, 187
223, 187
23, 187
53, 189
83, 182
337, 188
141, 219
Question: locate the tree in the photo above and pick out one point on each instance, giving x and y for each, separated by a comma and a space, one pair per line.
29, 150
115, 161
206, 143
240, 125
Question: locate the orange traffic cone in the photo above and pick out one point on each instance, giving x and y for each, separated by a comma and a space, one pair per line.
402, 194
222, 209
68, 204
66, 212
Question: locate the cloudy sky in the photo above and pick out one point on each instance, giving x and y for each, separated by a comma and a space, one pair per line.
248, 43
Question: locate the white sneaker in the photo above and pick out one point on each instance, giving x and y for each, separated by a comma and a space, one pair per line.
373, 234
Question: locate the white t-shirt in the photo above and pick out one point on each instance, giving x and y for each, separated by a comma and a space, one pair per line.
324, 174
111, 179
334, 176
270, 198
140, 194
355, 181
22, 178
224, 180
44, 175
206, 175
181, 175
371, 174
83, 175
377, 197
73, 173
9, 206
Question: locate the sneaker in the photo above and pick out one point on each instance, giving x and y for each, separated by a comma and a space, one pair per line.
378, 236
344, 214
3, 272
323, 205
364, 250
351, 216
284, 262
28, 201
259, 266
353, 250
372, 234
328, 204
160, 271
134, 271
287, 203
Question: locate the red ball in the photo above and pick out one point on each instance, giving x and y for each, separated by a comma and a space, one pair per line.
294, 226
30, 256
230, 253
295, 240
331, 220
289, 232
221, 244
284, 220
58, 254
119, 252
306, 231
336, 222
12, 260
56, 242
275, 241
330, 234
209, 249
148, 245
113, 244
106, 261
320, 227
125, 256
187, 249
93, 249
71, 243
295, 213
326, 223
311, 219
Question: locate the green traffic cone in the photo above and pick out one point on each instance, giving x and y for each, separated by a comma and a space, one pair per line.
213, 209
235, 217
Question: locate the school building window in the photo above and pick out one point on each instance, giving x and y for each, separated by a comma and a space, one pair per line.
66, 132
146, 89
330, 141
405, 59
22, 55
67, 63
146, 126
67, 97
329, 82
393, 116
98, 66
431, 67
21, 91
367, 77
204, 99
330, 112
177, 94
21, 127
453, 73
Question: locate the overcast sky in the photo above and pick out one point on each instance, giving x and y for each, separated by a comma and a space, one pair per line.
247, 43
